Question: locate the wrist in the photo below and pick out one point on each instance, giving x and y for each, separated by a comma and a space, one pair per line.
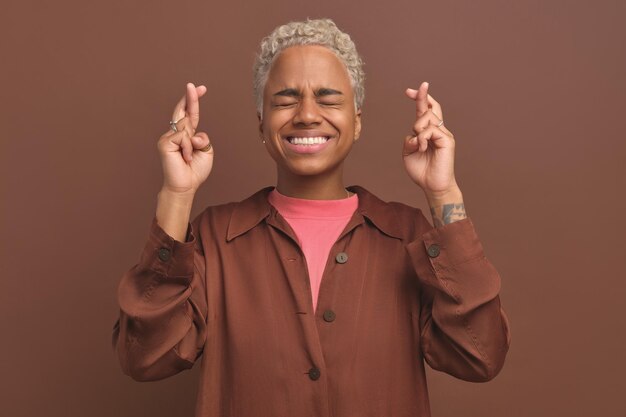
449, 196
182, 199
446, 207
173, 212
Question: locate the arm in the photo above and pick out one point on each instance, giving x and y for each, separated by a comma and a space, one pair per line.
162, 324
464, 330
163, 308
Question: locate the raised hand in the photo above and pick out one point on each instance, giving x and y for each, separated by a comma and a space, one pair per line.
429, 153
186, 155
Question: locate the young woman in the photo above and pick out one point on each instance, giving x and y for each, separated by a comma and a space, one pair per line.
311, 298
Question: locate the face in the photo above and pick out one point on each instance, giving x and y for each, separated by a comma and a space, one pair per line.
309, 119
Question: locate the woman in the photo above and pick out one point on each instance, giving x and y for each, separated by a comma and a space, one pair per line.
310, 298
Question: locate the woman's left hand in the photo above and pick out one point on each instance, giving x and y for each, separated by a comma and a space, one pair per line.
429, 153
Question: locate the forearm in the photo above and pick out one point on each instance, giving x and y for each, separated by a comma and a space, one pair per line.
447, 207
464, 331
162, 307
173, 213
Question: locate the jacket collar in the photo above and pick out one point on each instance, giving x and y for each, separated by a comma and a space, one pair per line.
255, 209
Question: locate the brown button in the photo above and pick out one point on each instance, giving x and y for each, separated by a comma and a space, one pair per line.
341, 258
164, 254
329, 315
314, 374
433, 250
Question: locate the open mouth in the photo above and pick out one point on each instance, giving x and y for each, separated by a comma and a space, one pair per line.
308, 141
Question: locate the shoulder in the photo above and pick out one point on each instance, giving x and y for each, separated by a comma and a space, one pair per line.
234, 216
393, 218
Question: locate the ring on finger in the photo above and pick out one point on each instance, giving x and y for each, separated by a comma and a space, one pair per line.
173, 125
440, 123
206, 148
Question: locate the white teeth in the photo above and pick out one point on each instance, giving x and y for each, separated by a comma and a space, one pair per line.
308, 141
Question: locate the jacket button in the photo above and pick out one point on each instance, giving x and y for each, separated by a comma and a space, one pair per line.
314, 374
164, 254
433, 250
329, 315
341, 258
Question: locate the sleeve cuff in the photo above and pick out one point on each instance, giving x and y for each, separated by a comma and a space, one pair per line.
165, 255
442, 249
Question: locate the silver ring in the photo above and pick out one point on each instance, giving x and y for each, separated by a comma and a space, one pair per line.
173, 125
440, 123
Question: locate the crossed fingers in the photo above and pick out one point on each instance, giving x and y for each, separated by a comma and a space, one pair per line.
428, 125
185, 119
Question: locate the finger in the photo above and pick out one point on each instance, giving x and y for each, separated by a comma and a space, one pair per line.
435, 136
186, 146
421, 99
435, 107
192, 105
423, 144
411, 93
179, 109
185, 124
170, 142
200, 141
427, 119
410, 145
445, 130
180, 126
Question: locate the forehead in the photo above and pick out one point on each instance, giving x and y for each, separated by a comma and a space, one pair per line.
308, 66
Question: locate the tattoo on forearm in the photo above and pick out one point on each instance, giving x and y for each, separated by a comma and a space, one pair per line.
448, 213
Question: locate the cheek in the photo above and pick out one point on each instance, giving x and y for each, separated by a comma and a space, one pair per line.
345, 122
276, 121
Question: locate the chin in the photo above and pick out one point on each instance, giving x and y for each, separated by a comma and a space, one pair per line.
310, 168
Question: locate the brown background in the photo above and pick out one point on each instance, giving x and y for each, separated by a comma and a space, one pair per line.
533, 90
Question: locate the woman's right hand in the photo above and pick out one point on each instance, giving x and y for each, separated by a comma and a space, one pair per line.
185, 164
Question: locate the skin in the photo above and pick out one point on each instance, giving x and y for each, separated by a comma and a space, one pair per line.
428, 157
308, 92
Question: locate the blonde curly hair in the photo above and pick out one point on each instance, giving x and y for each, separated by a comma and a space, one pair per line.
322, 32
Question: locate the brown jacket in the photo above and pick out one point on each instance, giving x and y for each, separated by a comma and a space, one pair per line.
395, 292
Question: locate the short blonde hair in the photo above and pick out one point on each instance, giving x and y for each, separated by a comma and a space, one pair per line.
323, 32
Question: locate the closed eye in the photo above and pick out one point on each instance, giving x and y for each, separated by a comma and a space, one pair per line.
284, 104
330, 103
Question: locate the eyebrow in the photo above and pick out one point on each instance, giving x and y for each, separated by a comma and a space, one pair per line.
327, 92
292, 92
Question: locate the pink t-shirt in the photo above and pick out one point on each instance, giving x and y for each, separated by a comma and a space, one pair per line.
317, 224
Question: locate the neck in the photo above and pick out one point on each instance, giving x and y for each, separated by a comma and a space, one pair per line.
312, 187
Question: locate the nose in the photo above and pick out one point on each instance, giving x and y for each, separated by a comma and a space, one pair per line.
307, 113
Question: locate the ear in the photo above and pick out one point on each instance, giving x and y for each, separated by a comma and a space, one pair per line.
357, 125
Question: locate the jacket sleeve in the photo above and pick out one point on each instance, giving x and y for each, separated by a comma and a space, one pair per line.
464, 331
162, 324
